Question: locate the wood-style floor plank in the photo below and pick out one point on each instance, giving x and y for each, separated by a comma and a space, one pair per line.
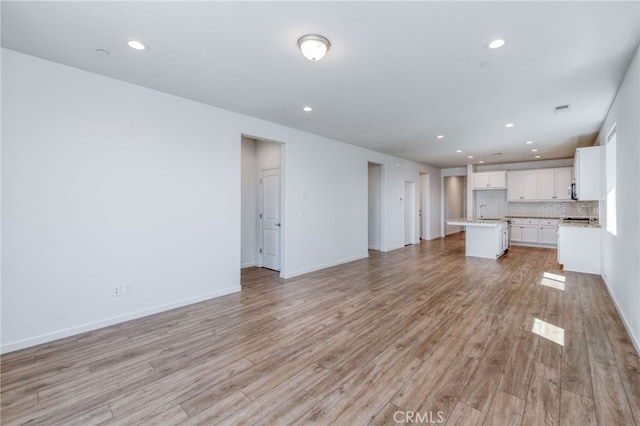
543, 399
505, 410
421, 333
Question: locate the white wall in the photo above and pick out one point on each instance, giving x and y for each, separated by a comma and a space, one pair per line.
106, 183
249, 201
375, 206
621, 252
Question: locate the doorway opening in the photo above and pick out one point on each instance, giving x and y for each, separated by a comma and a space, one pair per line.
424, 213
409, 213
454, 193
374, 204
262, 221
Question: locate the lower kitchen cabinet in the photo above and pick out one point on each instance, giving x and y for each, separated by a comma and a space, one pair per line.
548, 233
579, 248
534, 231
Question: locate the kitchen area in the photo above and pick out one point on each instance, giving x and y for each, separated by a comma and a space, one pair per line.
552, 207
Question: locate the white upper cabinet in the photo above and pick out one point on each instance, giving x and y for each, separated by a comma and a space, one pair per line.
490, 180
522, 185
564, 177
588, 171
539, 184
546, 185
554, 184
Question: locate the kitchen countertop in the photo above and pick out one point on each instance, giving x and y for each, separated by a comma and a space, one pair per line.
475, 222
590, 224
593, 223
534, 217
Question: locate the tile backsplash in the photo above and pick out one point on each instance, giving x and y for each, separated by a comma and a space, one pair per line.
557, 209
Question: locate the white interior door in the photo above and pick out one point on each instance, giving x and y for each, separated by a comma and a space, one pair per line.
408, 213
270, 219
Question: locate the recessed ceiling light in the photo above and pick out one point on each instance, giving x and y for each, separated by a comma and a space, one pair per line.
496, 44
537, 156
486, 65
534, 150
458, 150
471, 156
509, 125
440, 137
134, 44
529, 142
102, 52
307, 109
480, 161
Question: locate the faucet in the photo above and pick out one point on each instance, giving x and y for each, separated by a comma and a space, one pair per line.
480, 215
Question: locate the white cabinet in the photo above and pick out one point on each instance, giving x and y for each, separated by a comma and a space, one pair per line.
564, 177
530, 234
488, 240
540, 184
490, 180
522, 185
579, 248
548, 233
504, 239
534, 231
524, 231
546, 185
588, 173
554, 184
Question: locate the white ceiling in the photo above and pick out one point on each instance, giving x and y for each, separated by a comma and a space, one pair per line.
397, 73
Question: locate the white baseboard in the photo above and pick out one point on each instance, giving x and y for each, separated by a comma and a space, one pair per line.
377, 248
248, 265
532, 245
71, 331
635, 342
323, 266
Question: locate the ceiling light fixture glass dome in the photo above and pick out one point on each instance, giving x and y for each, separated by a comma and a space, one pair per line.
313, 46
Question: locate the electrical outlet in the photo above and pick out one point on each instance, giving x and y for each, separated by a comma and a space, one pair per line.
116, 291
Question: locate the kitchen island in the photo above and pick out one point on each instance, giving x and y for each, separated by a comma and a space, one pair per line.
488, 238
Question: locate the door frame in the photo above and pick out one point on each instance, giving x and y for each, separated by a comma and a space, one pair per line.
379, 207
283, 204
425, 206
411, 209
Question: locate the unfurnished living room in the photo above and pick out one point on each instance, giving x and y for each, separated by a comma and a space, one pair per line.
313, 212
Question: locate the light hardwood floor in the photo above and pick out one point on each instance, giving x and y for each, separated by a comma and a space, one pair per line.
421, 331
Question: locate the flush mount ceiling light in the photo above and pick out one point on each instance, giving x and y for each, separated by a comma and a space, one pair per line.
471, 156
137, 45
529, 142
481, 161
440, 137
495, 44
307, 109
508, 125
313, 46
458, 150
534, 150
537, 156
